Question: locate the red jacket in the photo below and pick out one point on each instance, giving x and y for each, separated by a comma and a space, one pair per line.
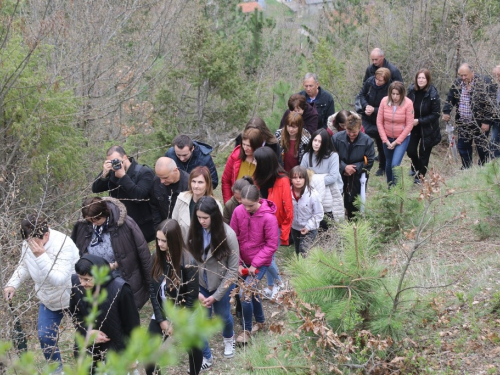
230, 173
395, 124
281, 196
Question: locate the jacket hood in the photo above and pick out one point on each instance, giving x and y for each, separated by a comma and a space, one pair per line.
266, 206
117, 209
203, 147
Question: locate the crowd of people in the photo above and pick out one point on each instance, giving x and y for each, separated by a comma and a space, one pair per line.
280, 188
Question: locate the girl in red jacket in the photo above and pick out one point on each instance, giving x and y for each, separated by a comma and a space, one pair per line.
394, 123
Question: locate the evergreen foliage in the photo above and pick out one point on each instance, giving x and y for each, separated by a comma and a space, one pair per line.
392, 211
489, 201
348, 284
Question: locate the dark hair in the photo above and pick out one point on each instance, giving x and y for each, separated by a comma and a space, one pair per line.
250, 192
268, 168
94, 208
182, 141
254, 136
302, 173
341, 118
170, 259
118, 149
218, 242
353, 122
427, 75
325, 150
83, 267
258, 123
384, 73
205, 172
400, 87
240, 183
34, 226
294, 119
297, 100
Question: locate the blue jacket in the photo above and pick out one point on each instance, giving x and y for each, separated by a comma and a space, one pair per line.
324, 104
200, 157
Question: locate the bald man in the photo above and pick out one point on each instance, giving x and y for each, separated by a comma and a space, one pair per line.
473, 97
377, 56
168, 183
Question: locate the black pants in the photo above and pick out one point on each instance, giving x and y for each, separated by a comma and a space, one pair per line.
418, 154
380, 150
195, 354
468, 133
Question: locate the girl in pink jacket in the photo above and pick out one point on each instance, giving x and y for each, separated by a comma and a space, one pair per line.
394, 123
256, 227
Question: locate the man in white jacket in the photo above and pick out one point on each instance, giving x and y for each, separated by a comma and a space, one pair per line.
49, 258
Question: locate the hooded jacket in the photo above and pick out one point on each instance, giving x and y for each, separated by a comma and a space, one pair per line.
129, 246
117, 316
51, 271
199, 158
308, 210
133, 191
310, 117
430, 111
185, 295
370, 94
230, 174
257, 234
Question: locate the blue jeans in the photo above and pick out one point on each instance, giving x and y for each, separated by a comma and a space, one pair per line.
251, 304
393, 158
48, 330
273, 274
221, 308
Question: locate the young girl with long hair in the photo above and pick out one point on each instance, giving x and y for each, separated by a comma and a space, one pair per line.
174, 276
235, 200
293, 139
214, 246
256, 227
307, 211
274, 185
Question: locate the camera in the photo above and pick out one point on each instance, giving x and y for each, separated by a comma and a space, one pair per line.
116, 164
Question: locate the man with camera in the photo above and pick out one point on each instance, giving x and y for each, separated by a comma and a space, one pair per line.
129, 182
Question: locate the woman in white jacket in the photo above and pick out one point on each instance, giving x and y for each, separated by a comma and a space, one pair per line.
307, 210
199, 185
49, 258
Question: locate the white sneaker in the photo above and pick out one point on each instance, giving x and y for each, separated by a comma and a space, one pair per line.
276, 290
229, 345
268, 293
207, 363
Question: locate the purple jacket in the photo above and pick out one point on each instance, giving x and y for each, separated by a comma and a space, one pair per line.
257, 234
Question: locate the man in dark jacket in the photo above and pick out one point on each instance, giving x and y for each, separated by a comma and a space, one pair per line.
378, 59
117, 316
353, 147
319, 98
168, 183
130, 182
188, 154
473, 96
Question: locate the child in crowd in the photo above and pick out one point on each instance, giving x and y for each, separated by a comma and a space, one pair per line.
307, 210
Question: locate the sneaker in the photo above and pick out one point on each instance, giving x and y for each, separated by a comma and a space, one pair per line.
268, 293
380, 172
229, 346
244, 337
276, 289
258, 327
207, 363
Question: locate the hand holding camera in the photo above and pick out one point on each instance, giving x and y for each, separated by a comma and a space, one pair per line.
115, 165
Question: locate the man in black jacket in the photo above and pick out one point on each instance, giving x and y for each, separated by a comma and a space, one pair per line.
117, 316
168, 183
129, 182
319, 98
473, 96
379, 61
356, 153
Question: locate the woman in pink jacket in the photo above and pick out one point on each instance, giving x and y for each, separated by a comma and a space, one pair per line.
256, 227
394, 123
